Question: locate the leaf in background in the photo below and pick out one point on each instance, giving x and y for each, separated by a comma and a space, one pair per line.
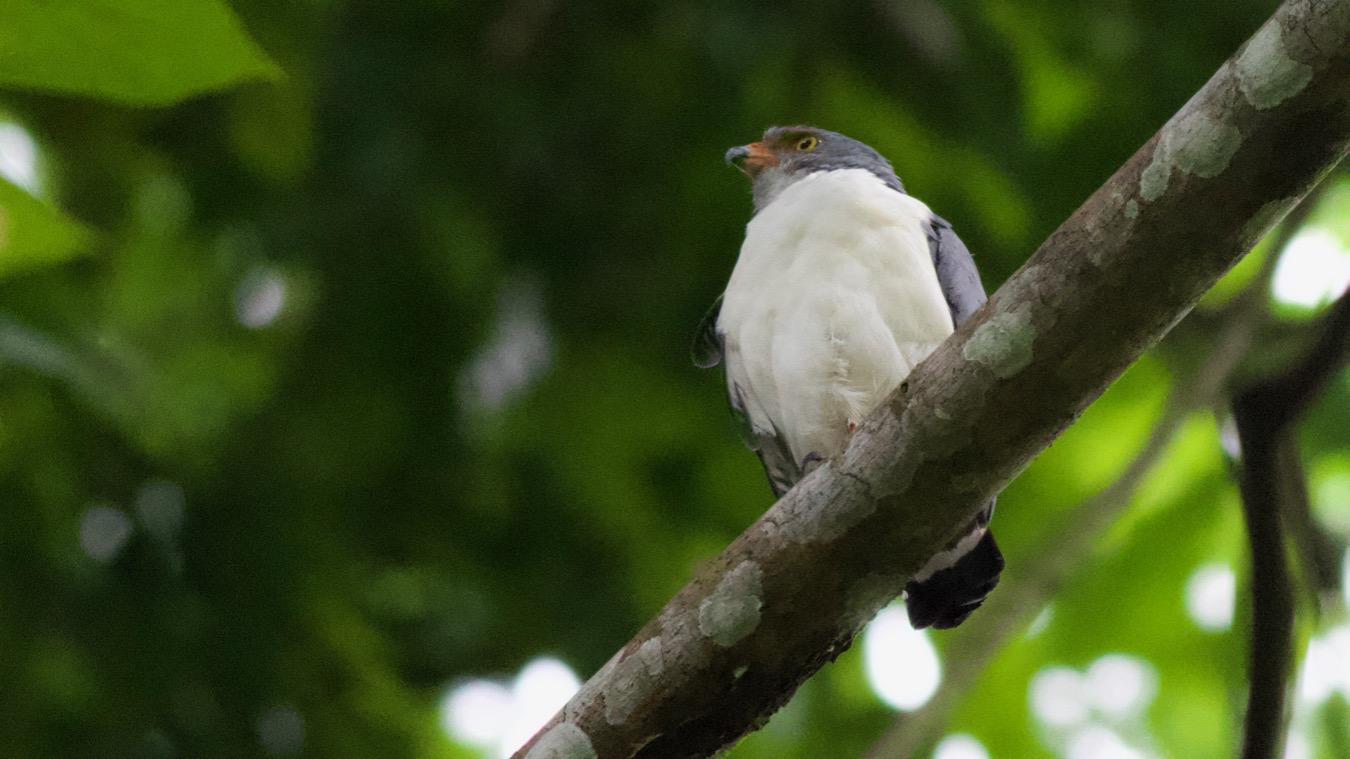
33, 234
149, 52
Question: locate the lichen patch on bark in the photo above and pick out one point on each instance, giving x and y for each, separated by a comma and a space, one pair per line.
1197, 144
1266, 74
563, 741
1003, 344
731, 611
632, 680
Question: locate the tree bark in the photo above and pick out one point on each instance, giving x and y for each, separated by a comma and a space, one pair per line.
790, 593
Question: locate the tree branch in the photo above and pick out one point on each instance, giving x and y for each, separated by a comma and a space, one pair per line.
791, 592
1271, 475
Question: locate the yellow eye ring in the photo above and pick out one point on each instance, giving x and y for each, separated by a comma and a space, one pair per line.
808, 142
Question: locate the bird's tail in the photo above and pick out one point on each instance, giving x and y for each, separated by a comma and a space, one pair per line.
945, 598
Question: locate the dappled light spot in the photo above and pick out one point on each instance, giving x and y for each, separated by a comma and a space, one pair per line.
960, 746
1041, 622
1057, 697
902, 665
487, 715
19, 157
1084, 710
260, 297
1331, 500
1120, 685
1228, 438
476, 713
1296, 746
1326, 666
1210, 594
539, 691
104, 531
281, 730
517, 353
1314, 269
1345, 573
1097, 742
159, 507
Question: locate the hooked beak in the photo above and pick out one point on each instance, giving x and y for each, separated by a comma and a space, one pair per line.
751, 159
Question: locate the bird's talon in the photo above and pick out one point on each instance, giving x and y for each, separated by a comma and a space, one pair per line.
811, 461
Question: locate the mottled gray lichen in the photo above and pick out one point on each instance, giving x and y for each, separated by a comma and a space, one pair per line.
563, 741
1131, 209
1266, 74
632, 681
1196, 144
731, 611
1153, 182
1003, 344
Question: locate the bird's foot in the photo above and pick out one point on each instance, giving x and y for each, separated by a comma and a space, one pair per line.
810, 463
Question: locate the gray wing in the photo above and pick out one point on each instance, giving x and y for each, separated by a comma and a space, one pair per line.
708, 351
957, 275
771, 447
707, 348
961, 287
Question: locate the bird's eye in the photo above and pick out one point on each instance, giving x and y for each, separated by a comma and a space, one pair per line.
808, 142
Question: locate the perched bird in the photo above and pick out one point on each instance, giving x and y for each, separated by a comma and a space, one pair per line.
844, 284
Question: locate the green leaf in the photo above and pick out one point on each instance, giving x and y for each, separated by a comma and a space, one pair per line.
149, 52
33, 234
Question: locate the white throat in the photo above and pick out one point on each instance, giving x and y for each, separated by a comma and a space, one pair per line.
770, 183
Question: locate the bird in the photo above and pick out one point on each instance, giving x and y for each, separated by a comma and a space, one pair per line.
844, 283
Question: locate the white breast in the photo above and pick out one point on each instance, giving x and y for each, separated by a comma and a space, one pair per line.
833, 301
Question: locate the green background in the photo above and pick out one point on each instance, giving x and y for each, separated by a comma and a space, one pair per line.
471, 435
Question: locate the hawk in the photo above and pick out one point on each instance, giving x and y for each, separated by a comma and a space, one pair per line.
843, 285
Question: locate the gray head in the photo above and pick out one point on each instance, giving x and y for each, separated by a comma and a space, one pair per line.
786, 154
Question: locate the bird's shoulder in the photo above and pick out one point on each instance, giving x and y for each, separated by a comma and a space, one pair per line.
956, 271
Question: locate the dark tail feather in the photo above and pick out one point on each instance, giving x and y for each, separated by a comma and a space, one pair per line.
950, 595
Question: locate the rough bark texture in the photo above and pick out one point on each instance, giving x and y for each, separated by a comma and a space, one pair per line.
791, 592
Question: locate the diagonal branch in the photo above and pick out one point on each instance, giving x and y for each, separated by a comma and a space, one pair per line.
791, 592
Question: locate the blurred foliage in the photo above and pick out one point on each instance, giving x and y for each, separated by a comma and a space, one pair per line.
150, 51
33, 234
358, 366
